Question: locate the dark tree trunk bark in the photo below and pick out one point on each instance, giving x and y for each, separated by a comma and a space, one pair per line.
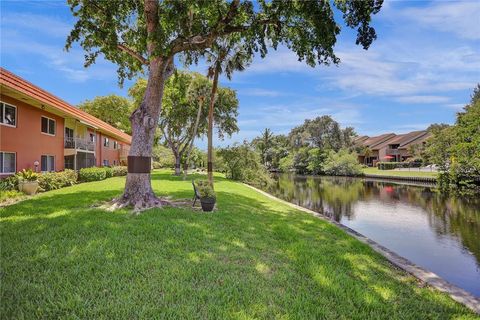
178, 170
210, 127
138, 190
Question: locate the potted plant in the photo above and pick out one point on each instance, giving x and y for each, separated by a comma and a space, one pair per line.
207, 196
28, 181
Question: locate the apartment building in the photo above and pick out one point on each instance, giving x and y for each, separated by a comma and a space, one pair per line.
389, 146
40, 131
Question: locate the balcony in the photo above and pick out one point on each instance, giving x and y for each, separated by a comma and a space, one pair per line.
392, 152
79, 144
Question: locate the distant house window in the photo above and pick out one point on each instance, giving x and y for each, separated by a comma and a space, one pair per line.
106, 142
8, 114
48, 126
7, 162
105, 163
48, 163
115, 145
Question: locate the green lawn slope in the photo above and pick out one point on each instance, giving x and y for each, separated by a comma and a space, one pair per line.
254, 258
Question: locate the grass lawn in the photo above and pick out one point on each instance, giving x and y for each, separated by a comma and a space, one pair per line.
253, 258
375, 171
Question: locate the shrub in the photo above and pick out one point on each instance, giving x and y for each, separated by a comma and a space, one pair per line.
118, 171
10, 195
27, 175
342, 163
204, 189
92, 174
156, 165
56, 180
394, 165
108, 172
9, 183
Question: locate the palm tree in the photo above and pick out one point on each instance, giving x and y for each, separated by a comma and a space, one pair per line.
225, 57
367, 152
266, 144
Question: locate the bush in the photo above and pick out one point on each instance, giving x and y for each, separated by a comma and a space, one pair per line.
342, 163
92, 174
394, 165
118, 171
108, 172
10, 195
9, 183
204, 189
56, 180
156, 165
27, 175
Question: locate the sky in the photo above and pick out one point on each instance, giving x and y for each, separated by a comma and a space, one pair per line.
421, 69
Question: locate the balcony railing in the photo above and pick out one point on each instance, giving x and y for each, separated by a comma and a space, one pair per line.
79, 144
392, 151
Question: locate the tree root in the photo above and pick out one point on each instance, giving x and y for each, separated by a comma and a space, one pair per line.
138, 204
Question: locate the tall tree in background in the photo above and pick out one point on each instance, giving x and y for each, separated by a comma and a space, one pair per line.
186, 94
322, 132
225, 57
112, 109
145, 36
264, 143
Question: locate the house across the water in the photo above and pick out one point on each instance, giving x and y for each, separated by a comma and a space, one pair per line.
44, 133
389, 146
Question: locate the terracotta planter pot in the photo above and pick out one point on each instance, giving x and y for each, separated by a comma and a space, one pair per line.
29, 187
207, 204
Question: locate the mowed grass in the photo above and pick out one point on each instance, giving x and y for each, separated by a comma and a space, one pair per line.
254, 258
375, 171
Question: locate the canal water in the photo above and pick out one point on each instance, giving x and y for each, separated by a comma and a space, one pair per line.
439, 233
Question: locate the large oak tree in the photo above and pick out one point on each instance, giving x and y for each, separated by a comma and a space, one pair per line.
147, 35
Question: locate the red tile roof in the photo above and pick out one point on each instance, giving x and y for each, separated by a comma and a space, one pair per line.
18, 84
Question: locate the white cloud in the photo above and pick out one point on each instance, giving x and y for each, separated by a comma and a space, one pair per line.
423, 99
259, 92
461, 18
36, 23
455, 106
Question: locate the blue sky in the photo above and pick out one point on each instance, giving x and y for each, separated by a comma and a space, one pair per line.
421, 69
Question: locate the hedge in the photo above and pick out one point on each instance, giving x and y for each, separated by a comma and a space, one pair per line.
92, 174
118, 171
394, 165
56, 180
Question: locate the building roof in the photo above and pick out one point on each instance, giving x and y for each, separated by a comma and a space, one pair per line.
373, 142
404, 140
19, 88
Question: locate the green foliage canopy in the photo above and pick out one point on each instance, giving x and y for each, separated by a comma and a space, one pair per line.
112, 109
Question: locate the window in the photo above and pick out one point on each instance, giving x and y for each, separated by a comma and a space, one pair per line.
8, 115
105, 163
7, 162
92, 137
48, 163
115, 145
48, 126
106, 142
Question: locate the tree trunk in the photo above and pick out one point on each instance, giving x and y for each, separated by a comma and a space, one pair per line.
138, 190
178, 170
210, 127
189, 151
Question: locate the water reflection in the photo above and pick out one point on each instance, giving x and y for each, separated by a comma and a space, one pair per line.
418, 222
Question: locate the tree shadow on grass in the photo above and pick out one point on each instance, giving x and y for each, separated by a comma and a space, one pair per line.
61, 257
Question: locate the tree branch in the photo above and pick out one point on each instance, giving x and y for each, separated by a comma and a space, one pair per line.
132, 53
